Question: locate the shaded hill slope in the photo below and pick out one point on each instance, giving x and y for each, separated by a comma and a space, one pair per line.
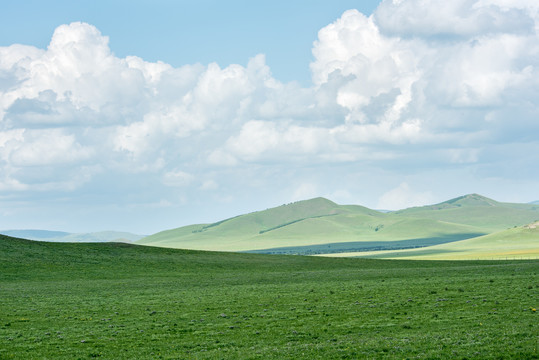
516, 243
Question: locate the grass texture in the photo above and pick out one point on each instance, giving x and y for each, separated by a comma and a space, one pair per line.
119, 301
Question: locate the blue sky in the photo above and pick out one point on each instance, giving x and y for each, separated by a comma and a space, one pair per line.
143, 116
186, 32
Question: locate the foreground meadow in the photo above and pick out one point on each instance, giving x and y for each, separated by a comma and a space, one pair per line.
115, 301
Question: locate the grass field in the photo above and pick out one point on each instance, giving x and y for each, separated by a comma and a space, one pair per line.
516, 243
118, 301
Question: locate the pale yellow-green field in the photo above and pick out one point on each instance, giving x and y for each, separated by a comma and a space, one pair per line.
313, 226
306, 223
516, 243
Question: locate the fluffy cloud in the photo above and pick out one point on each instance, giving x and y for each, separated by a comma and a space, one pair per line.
416, 84
450, 19
47, 147
392, 77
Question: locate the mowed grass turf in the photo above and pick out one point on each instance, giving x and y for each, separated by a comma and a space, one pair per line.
118, 301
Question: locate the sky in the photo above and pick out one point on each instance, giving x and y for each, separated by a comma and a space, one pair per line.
144, 116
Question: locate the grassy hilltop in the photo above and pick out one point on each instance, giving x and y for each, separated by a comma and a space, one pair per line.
478, 211
120, 301
319, 226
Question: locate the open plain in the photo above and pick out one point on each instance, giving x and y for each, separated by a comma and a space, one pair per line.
119, 301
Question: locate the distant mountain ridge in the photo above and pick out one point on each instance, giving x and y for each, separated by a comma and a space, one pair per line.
321, 226
32, 234
312, 226
61, 236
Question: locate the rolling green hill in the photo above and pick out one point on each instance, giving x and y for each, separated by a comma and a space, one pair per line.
310, 223
477, 210
321, 226
121, 301
302, 222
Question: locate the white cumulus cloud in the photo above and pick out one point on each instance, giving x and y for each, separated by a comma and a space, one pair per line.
438, 18
417, 84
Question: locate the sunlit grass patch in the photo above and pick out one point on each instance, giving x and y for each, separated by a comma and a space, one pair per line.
67, 301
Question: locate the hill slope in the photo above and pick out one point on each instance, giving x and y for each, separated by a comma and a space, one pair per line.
254, 230
310, 223
476, 210
120, 301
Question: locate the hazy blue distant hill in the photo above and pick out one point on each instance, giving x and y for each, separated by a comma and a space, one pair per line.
102, 236
34, 234
61, 236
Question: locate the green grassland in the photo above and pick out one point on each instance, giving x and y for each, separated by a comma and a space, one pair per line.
516, 243
120, 301
320, 226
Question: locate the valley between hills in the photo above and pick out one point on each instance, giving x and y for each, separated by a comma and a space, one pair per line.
118, 300
467, 227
